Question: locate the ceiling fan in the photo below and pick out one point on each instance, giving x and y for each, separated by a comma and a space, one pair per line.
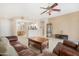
49, 9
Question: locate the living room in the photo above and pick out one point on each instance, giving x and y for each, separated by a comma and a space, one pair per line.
21, 24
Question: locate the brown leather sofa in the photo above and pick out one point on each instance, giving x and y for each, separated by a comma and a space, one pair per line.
67, 48
21, 49
16, 44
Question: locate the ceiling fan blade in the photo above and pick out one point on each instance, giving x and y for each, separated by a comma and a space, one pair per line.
56, 9
43, 12
55, 4
43, 8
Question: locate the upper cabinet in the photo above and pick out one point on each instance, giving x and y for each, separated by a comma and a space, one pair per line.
49, 30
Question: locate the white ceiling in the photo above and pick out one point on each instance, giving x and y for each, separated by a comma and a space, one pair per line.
32, 10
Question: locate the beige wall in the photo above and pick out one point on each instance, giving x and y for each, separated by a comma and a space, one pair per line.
66, 24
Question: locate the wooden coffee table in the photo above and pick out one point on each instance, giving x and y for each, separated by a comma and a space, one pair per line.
39, 41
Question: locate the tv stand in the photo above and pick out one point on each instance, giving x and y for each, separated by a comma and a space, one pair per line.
60, 36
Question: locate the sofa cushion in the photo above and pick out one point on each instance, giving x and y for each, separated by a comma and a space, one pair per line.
12, 38
67, 51
70, 44
14, 42
27, 52
18, 46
